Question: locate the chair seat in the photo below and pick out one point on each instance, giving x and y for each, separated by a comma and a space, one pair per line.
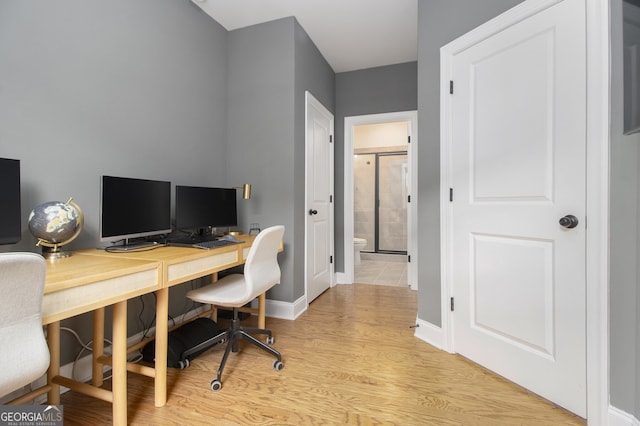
229, 291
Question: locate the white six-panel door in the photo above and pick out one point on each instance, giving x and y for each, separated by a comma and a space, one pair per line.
517, 166
319, 189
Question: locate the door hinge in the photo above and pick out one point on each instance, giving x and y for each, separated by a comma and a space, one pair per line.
451, 87
450, 194
408, 198
452, 305
409, 258
408, 139
330, 259
330, 138
331, 198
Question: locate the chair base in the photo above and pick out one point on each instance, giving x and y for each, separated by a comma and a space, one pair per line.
232, 336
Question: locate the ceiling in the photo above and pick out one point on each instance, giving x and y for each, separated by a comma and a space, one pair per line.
350, 34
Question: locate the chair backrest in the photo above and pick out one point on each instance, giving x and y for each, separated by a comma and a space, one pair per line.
24, 355
261, 269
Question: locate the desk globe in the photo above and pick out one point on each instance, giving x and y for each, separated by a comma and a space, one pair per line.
56, 224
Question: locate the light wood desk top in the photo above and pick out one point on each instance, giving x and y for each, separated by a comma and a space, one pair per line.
182, 264
79, 284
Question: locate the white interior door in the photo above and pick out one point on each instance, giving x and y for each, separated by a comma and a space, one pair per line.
517, 166
319, 193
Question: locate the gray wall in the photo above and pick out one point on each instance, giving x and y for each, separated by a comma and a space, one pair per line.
312, 73
260, 128
270, 67
439, 22
624, 239
157, 89
378, 90
125, 88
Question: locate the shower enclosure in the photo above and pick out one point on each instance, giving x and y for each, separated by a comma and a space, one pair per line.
380, 201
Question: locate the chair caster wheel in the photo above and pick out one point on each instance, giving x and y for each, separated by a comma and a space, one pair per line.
278, 365
183, 364
270, 340
216, 385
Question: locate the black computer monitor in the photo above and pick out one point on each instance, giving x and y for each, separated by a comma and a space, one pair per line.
11, 210
200, 207
134, 208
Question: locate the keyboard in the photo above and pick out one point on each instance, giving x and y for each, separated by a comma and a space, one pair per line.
206, 244
213, 244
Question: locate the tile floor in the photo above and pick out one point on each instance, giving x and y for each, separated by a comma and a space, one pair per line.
382, 269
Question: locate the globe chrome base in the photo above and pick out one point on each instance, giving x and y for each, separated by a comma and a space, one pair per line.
50, 253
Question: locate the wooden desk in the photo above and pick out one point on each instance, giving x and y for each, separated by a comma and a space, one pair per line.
176, 265
81, 284
92, 279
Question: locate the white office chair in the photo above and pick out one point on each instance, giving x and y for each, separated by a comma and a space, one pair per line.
24, 355
261, 272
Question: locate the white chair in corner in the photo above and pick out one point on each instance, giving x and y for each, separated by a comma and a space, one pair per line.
24, 355
261, 272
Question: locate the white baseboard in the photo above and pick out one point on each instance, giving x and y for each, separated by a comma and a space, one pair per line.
429, 333
620, 418
286, 310
342, 278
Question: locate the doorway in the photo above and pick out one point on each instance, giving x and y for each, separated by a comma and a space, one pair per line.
380, 203
381, 187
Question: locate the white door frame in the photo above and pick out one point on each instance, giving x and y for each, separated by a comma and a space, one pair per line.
311, 100
412, 210
597, 303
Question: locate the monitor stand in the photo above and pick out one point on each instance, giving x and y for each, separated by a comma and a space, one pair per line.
128, 245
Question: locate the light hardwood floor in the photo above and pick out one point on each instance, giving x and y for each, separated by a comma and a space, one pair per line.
350, 359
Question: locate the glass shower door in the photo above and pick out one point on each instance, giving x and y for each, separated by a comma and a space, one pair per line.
392, 203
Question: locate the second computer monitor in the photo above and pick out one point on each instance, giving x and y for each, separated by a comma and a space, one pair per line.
200, 207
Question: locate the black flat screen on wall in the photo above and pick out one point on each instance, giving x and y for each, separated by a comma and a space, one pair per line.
11, 211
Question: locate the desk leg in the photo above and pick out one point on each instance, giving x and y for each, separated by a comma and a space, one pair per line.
262, 305
119, 366
53, 340
98, 347
162, 343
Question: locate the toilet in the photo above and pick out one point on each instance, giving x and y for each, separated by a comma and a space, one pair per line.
358, 244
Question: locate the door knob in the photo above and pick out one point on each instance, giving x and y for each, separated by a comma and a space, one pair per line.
312, 212
569, 221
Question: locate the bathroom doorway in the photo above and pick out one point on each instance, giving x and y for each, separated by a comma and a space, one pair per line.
380, 202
